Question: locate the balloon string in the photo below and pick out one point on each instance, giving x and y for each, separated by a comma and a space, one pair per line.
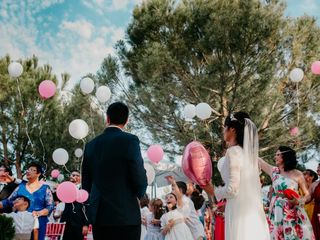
43, 148
92, 126
84, 212
83, 147
298, 104
23, 111
65, 167
73, 208
194, 132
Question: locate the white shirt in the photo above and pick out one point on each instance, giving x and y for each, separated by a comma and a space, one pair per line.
193, 221
24, 222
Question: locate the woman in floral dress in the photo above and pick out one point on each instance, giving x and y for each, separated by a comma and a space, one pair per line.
315, 194
288, 219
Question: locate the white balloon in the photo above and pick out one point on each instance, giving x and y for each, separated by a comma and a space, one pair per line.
78, 152
60, 178
86, 85
78, 129
203, 111
189, 111
103, 94
15, 69
60, 156
296, 75
150, 173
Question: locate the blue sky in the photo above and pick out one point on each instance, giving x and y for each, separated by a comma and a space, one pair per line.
75, 35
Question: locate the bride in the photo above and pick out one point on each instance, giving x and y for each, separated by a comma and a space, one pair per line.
244, 215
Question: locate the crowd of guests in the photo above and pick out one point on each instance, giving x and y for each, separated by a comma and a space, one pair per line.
32, 204
184, 213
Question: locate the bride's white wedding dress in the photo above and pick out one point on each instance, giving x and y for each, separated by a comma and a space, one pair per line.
244, 215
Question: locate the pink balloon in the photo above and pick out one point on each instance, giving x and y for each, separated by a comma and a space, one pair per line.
47, 89
82, 196
55, 173
155, 153
196, 163
315, 67
67, 192
294, 131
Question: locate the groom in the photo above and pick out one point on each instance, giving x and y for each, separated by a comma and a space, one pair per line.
114, 176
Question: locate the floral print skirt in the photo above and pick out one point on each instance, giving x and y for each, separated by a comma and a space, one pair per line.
288, 222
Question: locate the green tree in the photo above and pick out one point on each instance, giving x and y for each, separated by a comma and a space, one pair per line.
234, 55
32, 128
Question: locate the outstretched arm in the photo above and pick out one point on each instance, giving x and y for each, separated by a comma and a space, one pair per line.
266, 167
176, 191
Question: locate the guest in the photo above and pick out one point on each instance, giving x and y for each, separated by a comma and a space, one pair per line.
189, 212
74, 215
173, 222
24, 221
315, 196
288, 219
59, 206
144, 209
198, 202
7, 184
219, 220
209, 223
153, 220
41, 200
310, 177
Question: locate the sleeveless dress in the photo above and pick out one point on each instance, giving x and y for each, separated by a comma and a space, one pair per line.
153, 231
180, 231
286, 222
144, 212
242, 211
316, 211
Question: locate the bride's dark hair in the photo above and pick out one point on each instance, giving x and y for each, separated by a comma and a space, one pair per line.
237, 121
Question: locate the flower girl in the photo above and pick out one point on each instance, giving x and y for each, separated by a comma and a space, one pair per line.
173, 222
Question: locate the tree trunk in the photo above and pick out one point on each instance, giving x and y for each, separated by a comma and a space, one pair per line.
5, 147
18, 165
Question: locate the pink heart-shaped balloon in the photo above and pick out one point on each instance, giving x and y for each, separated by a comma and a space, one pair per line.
196, 163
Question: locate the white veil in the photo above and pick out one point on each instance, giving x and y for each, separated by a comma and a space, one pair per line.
250, 186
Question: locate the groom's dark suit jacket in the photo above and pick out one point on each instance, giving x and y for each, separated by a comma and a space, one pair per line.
114, 176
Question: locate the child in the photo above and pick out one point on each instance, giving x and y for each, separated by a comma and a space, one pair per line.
173, 222
144, 202
153, 220
24, 222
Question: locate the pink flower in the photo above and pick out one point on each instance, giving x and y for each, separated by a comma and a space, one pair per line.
289, 213
279, 233
299, 231
288, 230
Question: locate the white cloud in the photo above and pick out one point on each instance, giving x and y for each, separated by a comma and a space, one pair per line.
115, 33
103, 6
82, 27
119, 4
78, 47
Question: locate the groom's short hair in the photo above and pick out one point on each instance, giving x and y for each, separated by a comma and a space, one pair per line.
182, 186
118, 113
